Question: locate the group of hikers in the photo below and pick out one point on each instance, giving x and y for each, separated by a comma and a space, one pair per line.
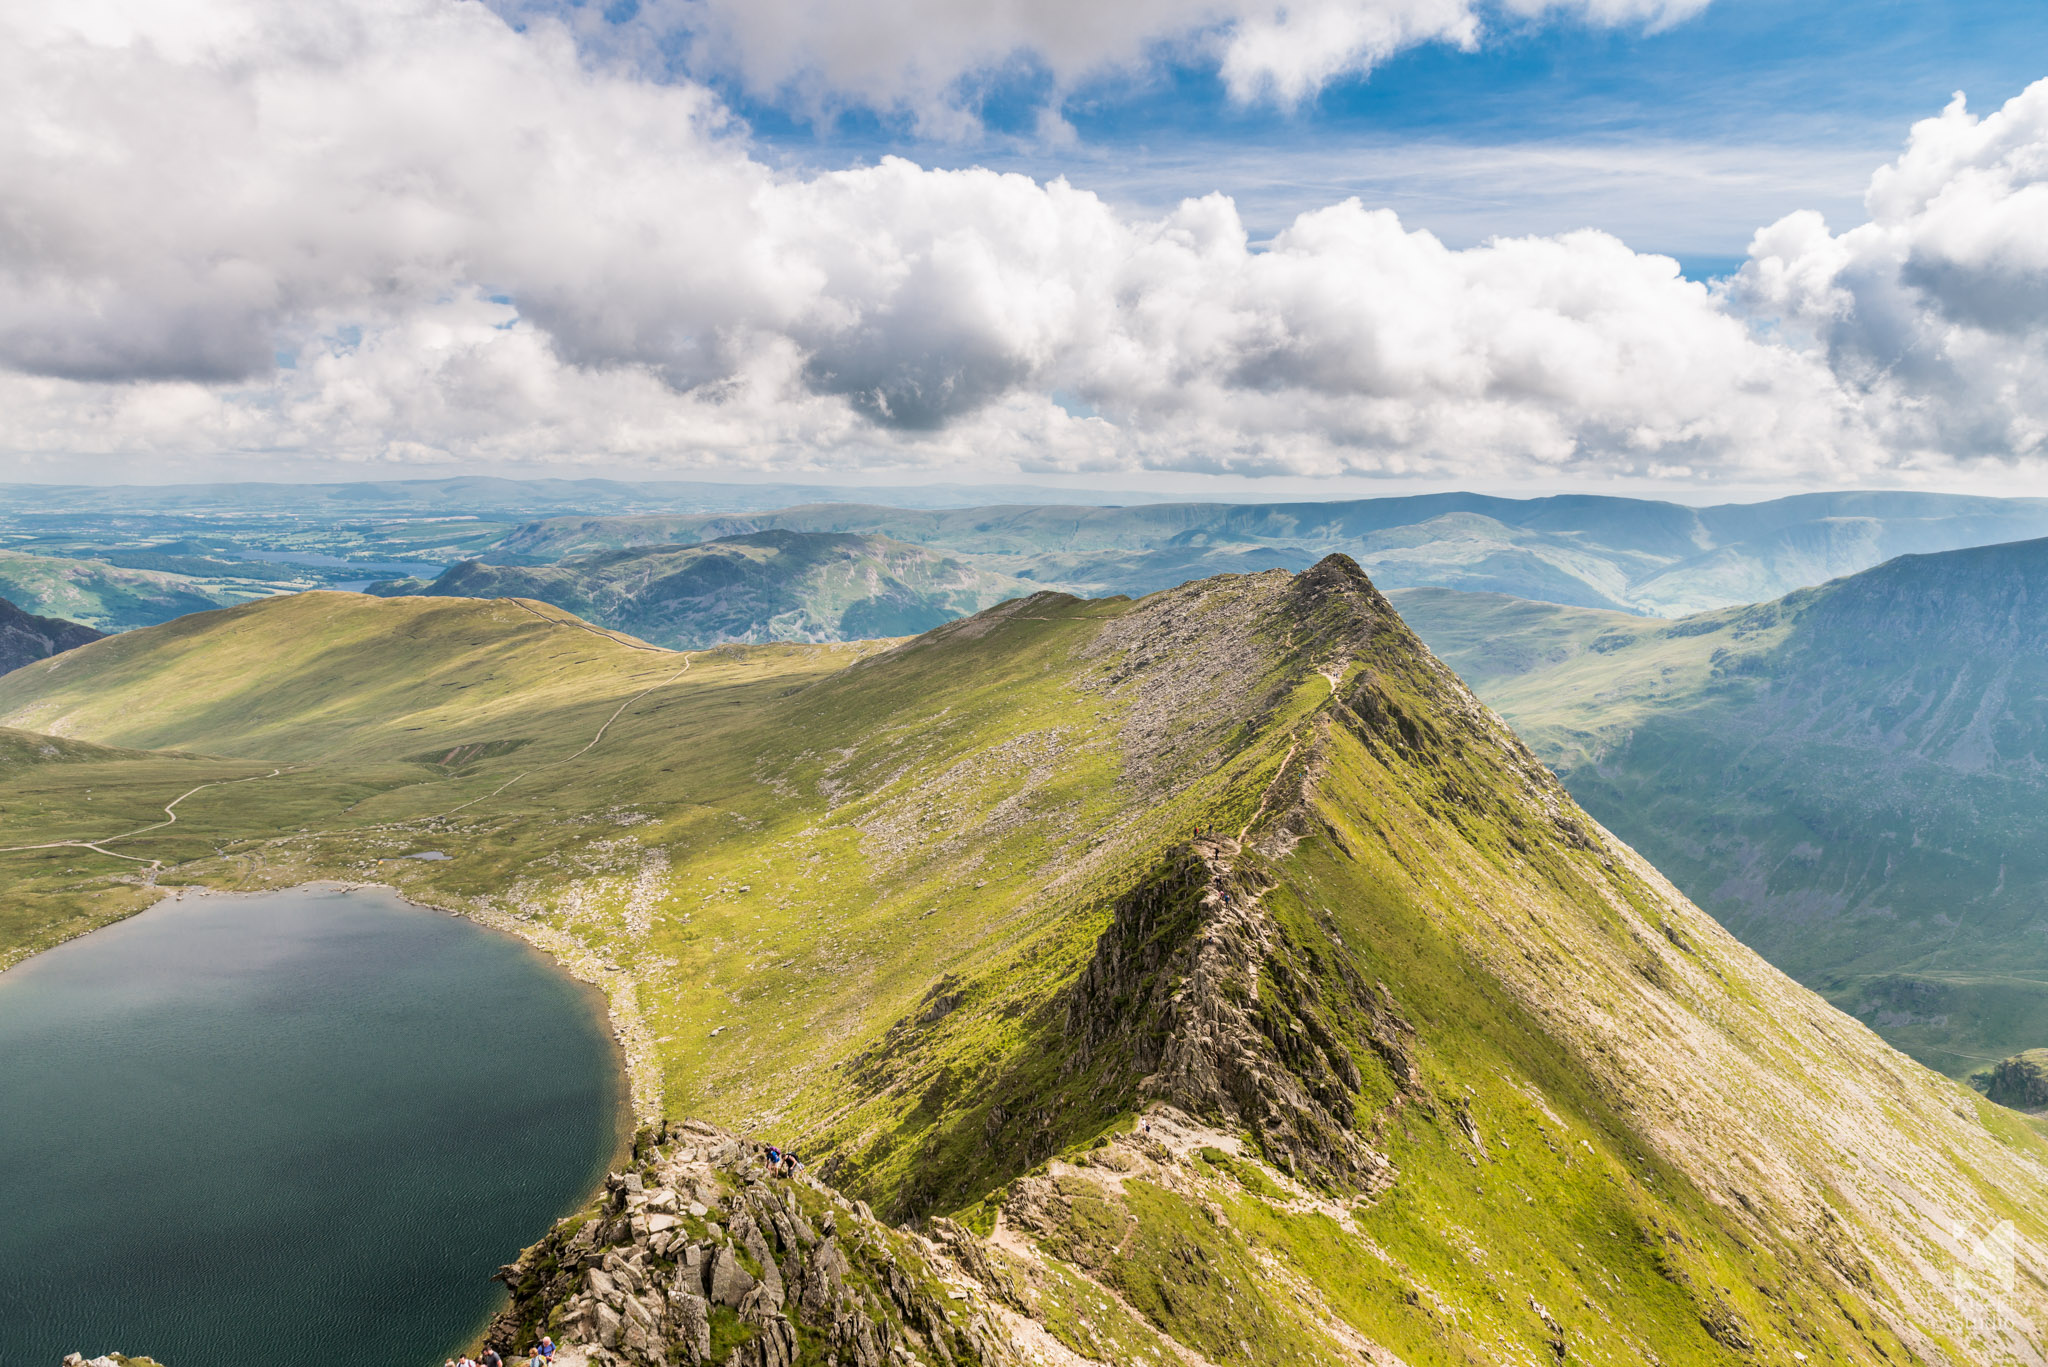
781, 1164
543, 1356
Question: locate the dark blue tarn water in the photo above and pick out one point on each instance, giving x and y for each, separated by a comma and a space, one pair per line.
286, 1129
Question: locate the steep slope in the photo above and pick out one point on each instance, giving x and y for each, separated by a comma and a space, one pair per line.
1851, 778
1628, 554
763, 586
1243, 987
24, 637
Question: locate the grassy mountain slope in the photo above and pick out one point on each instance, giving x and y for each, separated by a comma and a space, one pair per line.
107, 597
764, 586
1851, 778
25, 637
1216, 955
1626, 554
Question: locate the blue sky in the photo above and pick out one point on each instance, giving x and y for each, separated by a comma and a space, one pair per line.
1682, 141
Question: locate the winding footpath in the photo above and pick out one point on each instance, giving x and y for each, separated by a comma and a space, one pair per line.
170, 819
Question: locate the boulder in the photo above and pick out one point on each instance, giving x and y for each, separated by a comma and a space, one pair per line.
609, 1324
728, 1283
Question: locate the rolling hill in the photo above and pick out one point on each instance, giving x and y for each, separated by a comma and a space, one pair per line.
1237, 981
110, 598
1853, 779
762, 586
1632, 555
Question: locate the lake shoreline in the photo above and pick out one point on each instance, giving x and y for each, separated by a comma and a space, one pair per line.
632, 1041
597, 1073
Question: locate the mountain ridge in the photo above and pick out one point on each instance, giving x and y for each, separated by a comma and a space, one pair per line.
971, 920
1628, 554
744, 589
1849, 776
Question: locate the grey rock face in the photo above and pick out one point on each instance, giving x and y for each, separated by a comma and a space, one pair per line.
728, 1282
615, 1291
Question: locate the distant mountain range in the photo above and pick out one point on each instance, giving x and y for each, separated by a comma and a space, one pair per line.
1632, 555
215, 544
1853, 778
762, 586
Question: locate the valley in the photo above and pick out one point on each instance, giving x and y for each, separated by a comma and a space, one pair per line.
966, 917
1849, 777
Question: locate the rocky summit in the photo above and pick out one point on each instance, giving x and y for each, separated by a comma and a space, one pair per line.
700, 1253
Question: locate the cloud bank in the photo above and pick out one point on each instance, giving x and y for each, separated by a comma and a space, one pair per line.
927, 56
401, 230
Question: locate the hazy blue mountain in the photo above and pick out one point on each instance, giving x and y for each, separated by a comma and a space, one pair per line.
1631, 555
1853, 778
765, 586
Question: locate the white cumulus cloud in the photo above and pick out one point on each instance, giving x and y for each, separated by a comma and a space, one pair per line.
403, 230
928, 56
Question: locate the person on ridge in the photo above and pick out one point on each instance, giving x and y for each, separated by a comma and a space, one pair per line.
774, 1158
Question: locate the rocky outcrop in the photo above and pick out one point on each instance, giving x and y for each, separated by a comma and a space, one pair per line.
1229, 1020
699, 1254
26, 638
2021, 1081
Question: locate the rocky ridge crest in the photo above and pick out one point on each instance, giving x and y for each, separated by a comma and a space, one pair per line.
698, 1253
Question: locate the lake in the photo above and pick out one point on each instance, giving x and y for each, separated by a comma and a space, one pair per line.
283, 1129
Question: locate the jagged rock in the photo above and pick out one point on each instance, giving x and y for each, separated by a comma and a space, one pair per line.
2021, 1081
728, 1282
1176, 982
689, 1318
608, 1324
614, 1294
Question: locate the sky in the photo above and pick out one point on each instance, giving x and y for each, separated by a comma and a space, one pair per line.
1702, 248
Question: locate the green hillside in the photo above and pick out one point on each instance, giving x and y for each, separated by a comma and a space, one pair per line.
1625, 554
108, 597
1216, 955
1849, 778
763, 586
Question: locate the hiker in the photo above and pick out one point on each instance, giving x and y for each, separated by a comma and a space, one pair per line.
490, 1358
774, 1158
789, 1165
547, 1348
